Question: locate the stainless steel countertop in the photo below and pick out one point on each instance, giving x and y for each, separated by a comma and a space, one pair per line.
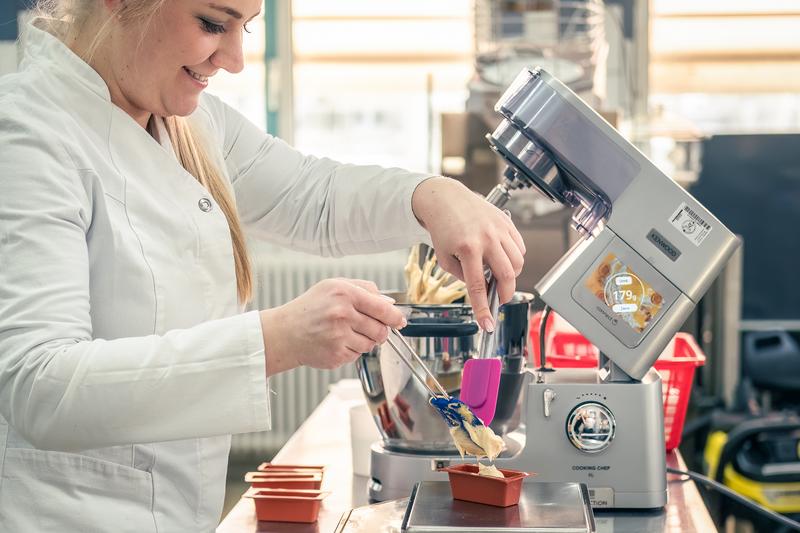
325, 439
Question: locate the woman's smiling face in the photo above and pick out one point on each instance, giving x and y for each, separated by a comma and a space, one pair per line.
160, 65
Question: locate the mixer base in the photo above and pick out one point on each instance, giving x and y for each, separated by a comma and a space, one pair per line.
394, 473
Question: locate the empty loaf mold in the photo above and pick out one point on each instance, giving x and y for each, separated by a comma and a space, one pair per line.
284, 505
284, 480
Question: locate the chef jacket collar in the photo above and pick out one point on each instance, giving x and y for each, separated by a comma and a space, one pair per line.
162, 137
42, 45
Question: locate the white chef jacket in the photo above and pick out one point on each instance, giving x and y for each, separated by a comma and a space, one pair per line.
125, 361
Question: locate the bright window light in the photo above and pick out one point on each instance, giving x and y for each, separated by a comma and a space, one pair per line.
729, 66
371, 78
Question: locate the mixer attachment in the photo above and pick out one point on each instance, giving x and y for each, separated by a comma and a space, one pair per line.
456, 413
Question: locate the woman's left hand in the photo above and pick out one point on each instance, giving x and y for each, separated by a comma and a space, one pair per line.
467, 233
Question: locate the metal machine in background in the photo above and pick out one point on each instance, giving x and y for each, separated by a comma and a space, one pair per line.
751, 444
568, 39
648, 252
565, 37
754, 446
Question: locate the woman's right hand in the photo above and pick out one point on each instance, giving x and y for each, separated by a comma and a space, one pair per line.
329, 325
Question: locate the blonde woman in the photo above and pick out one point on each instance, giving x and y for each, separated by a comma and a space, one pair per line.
126, 193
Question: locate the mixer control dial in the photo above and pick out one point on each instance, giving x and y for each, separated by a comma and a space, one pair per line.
591, 427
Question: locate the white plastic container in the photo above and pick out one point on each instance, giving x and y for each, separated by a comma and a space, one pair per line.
363, 433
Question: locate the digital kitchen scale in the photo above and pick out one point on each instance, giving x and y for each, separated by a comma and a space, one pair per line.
544, 507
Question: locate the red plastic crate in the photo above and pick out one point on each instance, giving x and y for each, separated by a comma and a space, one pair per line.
566, 348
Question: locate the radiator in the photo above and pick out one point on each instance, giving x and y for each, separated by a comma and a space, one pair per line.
280, 275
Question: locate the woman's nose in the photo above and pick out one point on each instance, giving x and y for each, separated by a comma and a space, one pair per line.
229, 54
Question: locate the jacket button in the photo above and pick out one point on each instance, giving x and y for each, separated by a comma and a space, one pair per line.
205, 205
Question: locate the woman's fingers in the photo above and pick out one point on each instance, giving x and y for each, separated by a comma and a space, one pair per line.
517, 238
514, 232
450, 264
358, 344
505, 261
378, 307
503, 270
372, 329
472, 266
514, 255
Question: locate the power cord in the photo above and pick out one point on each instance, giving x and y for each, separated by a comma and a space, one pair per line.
750, 504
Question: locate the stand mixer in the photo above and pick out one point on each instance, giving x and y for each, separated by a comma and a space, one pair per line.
648, 253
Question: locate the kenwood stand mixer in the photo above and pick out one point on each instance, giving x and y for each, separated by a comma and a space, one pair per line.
648, 253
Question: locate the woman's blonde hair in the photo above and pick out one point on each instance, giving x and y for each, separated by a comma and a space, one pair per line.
188, 145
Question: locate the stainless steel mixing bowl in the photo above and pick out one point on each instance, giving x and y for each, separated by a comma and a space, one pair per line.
445, 337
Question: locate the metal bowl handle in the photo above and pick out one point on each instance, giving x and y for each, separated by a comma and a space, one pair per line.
440, 329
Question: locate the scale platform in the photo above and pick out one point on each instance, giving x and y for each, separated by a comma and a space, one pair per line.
543, 508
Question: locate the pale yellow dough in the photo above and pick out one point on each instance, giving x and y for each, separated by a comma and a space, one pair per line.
479, 440
489, 471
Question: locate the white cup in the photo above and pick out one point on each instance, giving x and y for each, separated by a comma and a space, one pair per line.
363, 433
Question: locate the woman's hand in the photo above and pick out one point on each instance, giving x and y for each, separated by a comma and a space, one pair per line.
468, 232
329, 325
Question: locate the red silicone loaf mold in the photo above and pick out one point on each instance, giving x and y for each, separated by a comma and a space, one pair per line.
284, 480
272, 467
467, 485
283, 505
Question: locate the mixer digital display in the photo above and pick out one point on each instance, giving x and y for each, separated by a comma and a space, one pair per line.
625, 293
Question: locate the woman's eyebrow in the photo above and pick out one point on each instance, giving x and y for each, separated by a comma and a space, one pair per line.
232, 12
229, 10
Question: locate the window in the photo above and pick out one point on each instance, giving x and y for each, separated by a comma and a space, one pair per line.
371, 78
246, 91
727, 66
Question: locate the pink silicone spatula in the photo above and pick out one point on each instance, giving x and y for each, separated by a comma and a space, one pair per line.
480, 378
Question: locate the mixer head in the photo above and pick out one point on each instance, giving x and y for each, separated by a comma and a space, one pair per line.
531, 160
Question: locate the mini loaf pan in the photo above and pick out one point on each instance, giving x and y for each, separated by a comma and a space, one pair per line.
272, 467
467, 485
284, 505
283, 480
